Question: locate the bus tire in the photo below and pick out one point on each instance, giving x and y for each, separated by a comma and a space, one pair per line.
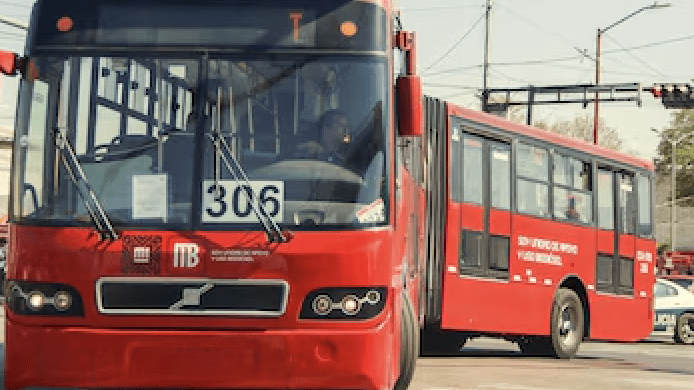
409, 345
684, 330
566, 326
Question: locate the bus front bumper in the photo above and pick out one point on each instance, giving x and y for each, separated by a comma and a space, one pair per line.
73, 357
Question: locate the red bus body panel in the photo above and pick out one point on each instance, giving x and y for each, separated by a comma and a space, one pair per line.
136, 351
521, 305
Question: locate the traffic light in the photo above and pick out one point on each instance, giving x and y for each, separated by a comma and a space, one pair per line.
674, 95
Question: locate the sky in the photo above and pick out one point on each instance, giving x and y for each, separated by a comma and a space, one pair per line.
532, 42
539, 42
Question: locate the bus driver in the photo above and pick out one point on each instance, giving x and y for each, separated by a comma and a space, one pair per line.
333, 138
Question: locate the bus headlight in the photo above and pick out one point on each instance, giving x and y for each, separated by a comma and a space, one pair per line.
62, 300
350, 305
36, 298
322, 305
344, 303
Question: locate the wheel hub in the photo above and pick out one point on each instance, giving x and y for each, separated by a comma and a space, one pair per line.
567, 324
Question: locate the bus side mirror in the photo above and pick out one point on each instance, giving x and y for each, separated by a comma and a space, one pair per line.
9, 63
409, 96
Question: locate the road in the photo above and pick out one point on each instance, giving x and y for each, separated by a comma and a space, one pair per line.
489, 364
656, 363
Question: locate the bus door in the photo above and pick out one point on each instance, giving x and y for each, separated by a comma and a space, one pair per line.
617, 229
479, 244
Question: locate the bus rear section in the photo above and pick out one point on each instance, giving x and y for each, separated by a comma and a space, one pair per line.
548, 240
203, 196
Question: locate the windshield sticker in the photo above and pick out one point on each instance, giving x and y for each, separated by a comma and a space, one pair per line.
226, 201
375, 212
149, 196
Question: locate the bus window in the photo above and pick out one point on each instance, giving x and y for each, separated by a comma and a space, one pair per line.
472, 174
645, 227
627, 204
532, 188
572, 197
605, 200
456, 155
500, 156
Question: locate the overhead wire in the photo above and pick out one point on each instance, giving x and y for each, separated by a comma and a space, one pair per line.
427, 9
497, 71
518, 15
652, 44
567, 58
635, 57
509, 10
13, 4
437, 85
454, 45
12, 34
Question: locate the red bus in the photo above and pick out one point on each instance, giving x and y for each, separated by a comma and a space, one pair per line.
244, 195
546, 240
204, 196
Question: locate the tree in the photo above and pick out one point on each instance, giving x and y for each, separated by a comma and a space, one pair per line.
581, 127
681, 129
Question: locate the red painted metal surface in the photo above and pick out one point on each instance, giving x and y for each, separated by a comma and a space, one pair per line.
521, 304
204, 351
198, 358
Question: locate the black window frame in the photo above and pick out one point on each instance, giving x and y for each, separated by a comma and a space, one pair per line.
621, 269
474, 244
519, 177
572, 188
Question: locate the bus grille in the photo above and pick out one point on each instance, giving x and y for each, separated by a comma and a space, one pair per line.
168, 296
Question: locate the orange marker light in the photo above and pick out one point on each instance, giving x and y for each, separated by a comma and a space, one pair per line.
65, 24
348, 28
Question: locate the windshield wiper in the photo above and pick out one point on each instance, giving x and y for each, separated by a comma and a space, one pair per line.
84, 189
272, 229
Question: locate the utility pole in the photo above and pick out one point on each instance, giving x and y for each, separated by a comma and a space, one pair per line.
485, 81
596, 114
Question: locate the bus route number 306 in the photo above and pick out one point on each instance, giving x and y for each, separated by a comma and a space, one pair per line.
228, 201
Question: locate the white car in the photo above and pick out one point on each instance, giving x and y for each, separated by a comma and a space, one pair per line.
674, 311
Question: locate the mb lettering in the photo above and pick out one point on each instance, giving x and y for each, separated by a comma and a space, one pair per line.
186, 256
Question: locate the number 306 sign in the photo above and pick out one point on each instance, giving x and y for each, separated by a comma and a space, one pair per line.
230, 201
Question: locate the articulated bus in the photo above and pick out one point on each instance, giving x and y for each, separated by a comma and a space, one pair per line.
546, 240
245, 194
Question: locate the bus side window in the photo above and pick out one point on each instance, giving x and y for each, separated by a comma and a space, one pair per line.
645, 225
572, 189
532, 170
605, 200
472, 173
627, 203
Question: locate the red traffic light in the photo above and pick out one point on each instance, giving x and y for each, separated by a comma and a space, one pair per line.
656, 91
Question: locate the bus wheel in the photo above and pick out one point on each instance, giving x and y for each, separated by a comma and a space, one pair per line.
684, 331
409, 345
567, 324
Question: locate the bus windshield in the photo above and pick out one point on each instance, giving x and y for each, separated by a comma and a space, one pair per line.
204, 143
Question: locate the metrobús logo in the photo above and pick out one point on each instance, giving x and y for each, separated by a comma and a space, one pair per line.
141, 255
186, 255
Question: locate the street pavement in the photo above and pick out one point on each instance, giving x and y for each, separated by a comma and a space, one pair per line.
490, 364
